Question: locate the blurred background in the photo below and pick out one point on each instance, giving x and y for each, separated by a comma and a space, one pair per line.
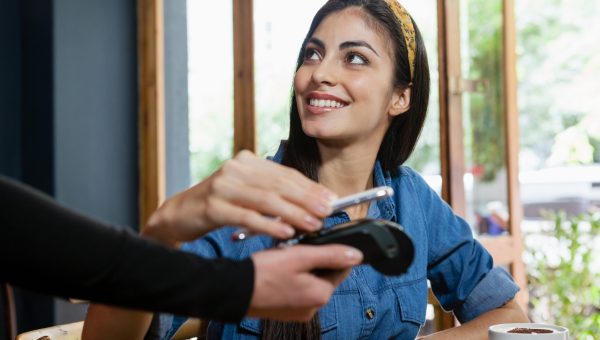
512, 137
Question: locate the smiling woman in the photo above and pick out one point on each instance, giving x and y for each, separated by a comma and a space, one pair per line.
357, 110
335, 67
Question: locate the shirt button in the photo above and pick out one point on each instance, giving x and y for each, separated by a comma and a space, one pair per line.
370, 313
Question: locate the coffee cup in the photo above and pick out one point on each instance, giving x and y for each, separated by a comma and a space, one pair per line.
527, 331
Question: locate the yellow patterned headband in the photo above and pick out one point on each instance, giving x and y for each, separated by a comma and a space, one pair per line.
408, 30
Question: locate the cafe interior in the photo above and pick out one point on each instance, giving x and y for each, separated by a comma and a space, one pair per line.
112, 106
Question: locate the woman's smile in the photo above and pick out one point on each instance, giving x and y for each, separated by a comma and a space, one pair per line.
320, 102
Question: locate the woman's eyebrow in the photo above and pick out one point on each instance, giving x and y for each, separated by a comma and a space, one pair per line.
317, 42
355, 43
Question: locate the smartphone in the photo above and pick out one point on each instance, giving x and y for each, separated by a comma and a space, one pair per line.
337, 205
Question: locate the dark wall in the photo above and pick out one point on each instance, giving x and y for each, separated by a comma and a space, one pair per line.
26, 129
95, 96
95, 93
68, 114
10, 87
176, 97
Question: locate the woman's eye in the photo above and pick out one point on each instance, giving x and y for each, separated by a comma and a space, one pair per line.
356, 59
311, 54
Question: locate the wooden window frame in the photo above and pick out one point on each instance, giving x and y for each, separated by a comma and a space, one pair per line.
506, 250
151, 115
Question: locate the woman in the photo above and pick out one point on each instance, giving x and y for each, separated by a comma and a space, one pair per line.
360, 96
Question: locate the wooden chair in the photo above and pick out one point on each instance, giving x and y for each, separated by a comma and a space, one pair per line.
442, 320
10, 314
191, 328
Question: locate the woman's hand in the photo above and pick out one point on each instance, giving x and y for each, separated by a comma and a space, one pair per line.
248, 191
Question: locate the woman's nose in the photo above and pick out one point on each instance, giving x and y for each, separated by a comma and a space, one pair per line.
325, 73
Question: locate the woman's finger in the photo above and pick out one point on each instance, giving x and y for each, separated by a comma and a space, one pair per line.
226, 213
270, 203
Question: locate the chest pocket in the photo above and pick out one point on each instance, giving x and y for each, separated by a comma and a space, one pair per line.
412, 301
327, 318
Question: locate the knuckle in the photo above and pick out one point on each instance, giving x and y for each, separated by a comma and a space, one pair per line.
269, 198
212, 206
247, 218
296, 175
218, 185
244, 155
228, 167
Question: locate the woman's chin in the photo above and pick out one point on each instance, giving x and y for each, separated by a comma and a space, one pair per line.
319, 131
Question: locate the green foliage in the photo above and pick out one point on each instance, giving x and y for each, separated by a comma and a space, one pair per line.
486, 106
564, 287
205, 163
557, 69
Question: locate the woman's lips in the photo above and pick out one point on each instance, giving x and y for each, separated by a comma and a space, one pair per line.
318, 103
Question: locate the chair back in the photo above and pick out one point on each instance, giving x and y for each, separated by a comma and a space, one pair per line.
10, 314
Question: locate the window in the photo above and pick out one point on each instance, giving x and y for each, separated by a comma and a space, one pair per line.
210, 89
279, 28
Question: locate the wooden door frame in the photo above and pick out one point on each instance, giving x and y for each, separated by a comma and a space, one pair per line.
151, 128
506, 250
244, 122
152, 183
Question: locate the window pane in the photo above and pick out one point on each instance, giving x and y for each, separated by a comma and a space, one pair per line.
279, 28
426, 157
210, 77
483, 116
558, 71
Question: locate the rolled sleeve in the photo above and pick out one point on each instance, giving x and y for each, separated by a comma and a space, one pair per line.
494, 290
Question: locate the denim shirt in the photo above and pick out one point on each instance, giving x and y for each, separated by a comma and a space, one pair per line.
371, 305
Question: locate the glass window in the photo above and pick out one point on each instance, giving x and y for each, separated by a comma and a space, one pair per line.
485, 181
210, 77
426, 156
558, 71
279, 29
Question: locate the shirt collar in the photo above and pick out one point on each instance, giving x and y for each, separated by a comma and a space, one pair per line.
387, 206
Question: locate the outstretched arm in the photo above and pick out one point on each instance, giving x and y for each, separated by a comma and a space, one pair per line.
245, 191
478, 327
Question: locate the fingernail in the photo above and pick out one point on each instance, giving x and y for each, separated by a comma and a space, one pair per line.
290, 232
324, 209
315, 223
354, 255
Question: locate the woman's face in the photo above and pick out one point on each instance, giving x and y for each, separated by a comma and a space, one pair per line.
344, 90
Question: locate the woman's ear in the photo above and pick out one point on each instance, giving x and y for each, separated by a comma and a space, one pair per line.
400, 101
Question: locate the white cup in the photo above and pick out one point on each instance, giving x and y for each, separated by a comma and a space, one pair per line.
502, 332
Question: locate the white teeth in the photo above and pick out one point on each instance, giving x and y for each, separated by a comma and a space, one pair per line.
325, 103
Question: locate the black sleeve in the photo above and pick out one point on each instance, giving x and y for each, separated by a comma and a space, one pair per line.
50, 249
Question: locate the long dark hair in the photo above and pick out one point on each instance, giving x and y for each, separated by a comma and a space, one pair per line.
301, 151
